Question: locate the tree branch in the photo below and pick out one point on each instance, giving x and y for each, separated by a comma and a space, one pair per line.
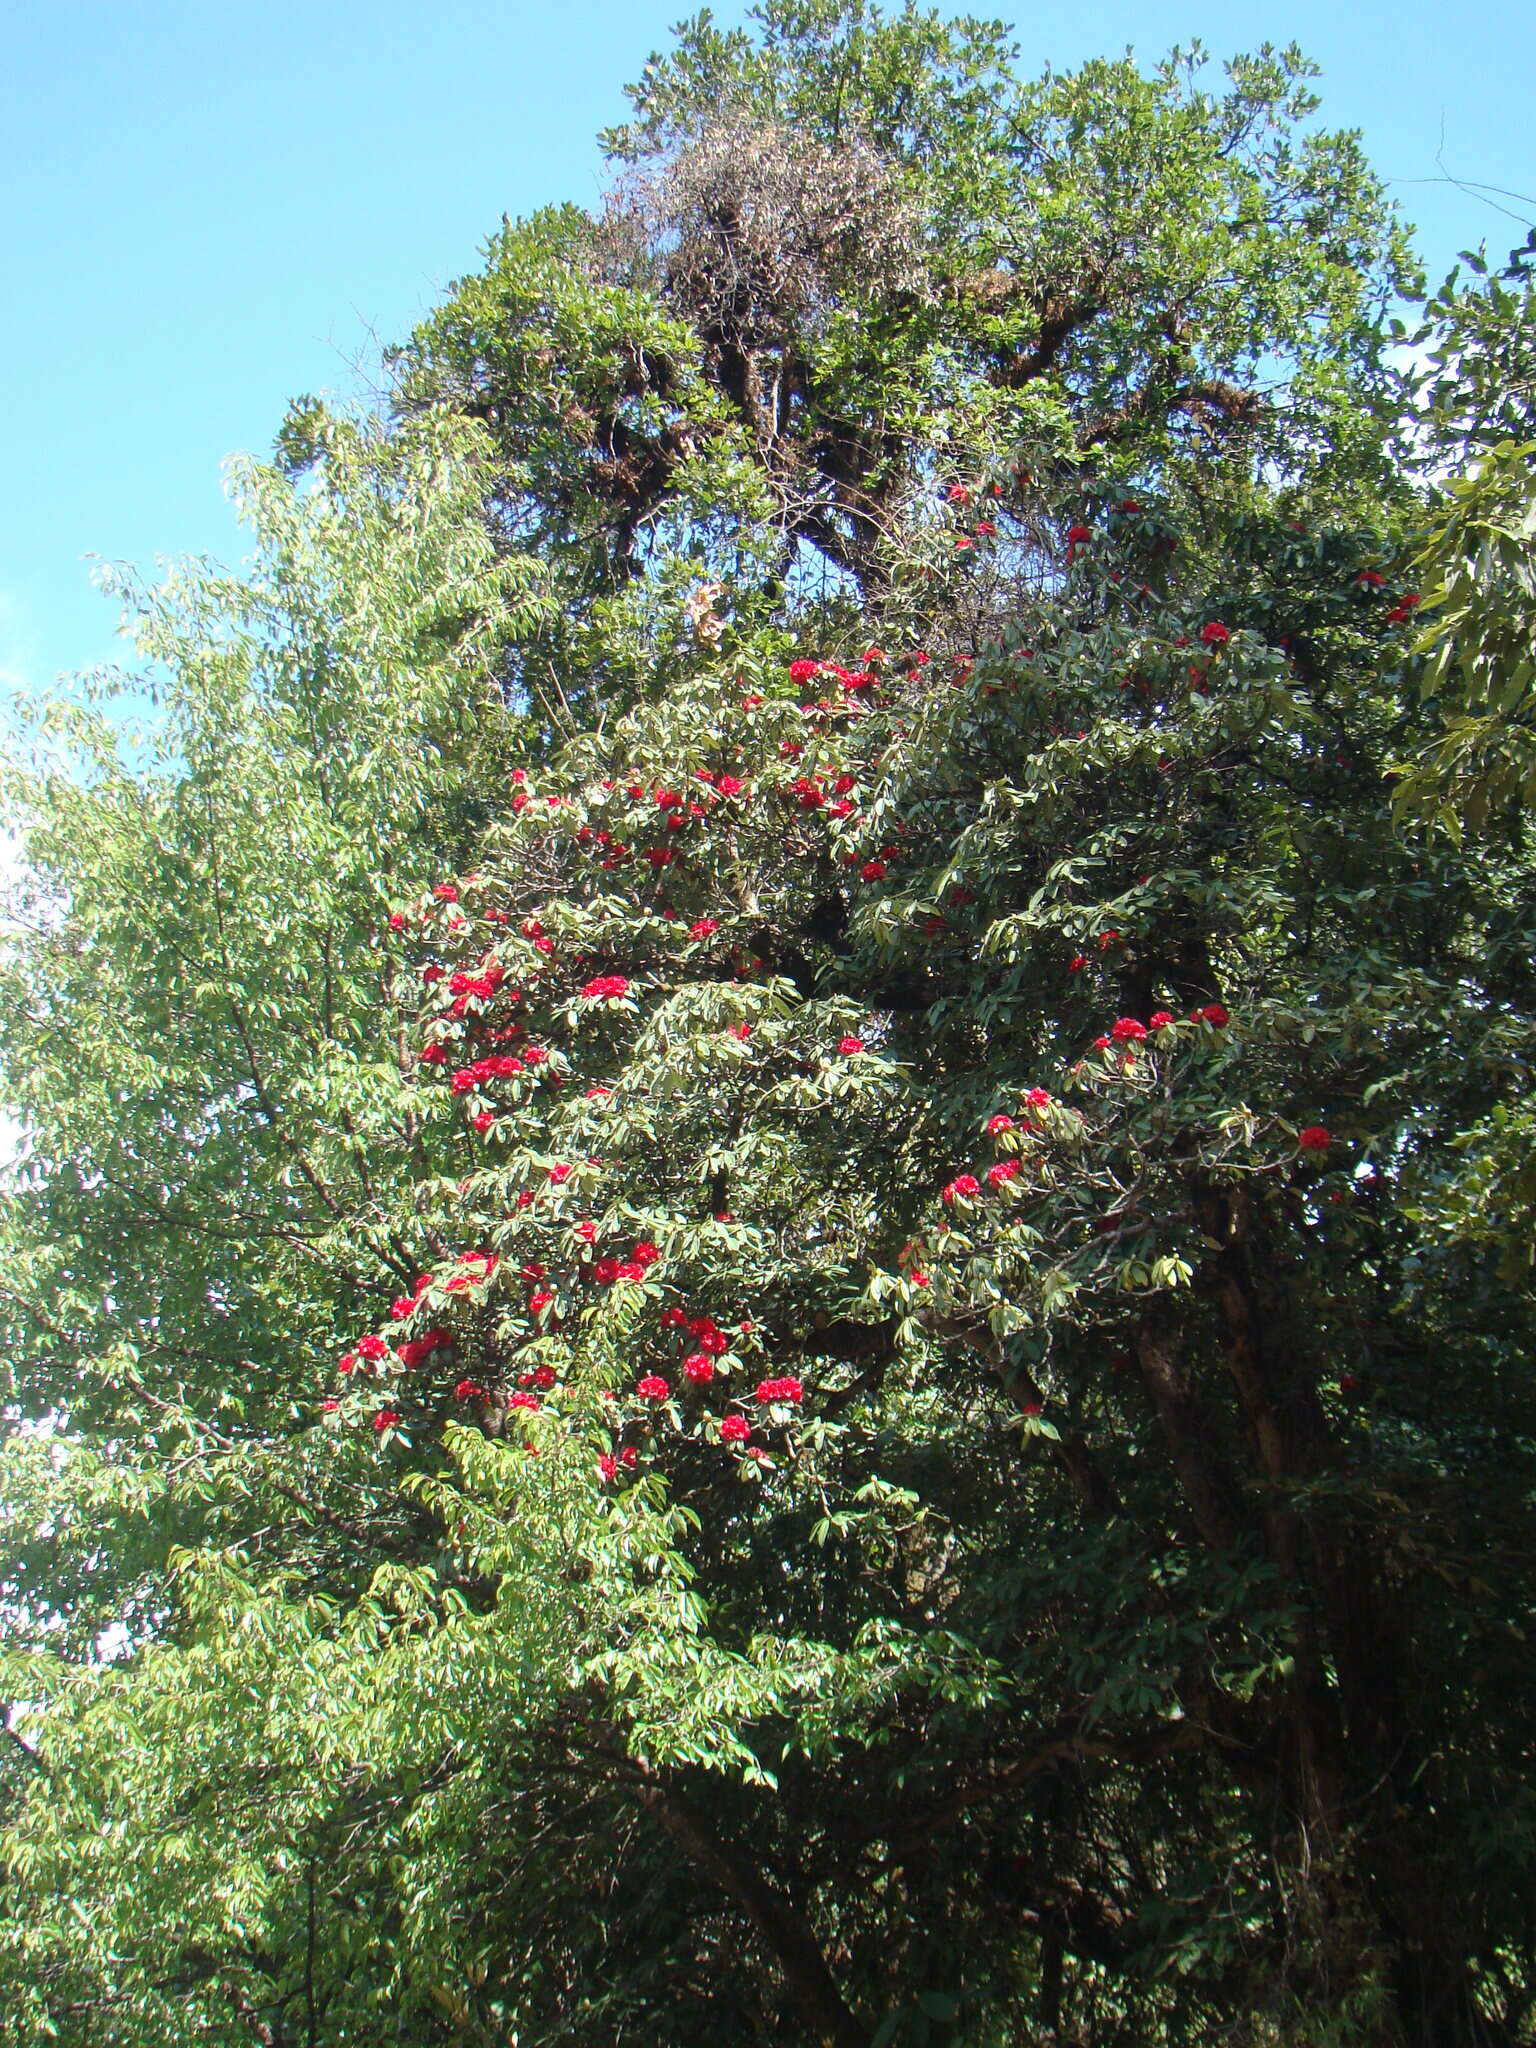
782, 1926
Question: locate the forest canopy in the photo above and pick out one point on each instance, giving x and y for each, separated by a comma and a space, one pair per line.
770, 1277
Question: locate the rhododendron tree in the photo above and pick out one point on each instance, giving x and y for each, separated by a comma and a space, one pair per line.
735, 1285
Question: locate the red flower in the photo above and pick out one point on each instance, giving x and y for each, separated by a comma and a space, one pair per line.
652, 1388
446, 892
962, 1188
669, 799
741, 1031
1076, 535
1000, 1123
699, 1367
645, 1254
469, 1390
537, 1303
1038, 1098
1215, 1013
850, 1045
432, 1055
1315, 1138
731, 785
397, 920
1370, 579
1128, 1031
523, 1401
957, 494
672, 1319
705, 928
386, 1419
872, 870
661, 856
483, 1120
734, 1429
605, 987
1215, 634
1004, 1171
785, 1390
985, 526
1160, 1020
608, 1467
372, 1347
559, 1175
1077, 963
1033, 1408
803, 671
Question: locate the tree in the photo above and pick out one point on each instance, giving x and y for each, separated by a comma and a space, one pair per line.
1474, 549
906, 1463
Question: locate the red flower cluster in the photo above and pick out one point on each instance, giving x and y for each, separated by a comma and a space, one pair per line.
484, 985
1127, 1031
850, 1045
964, 1187
735, 1429
605, 987
419, 1349
499, 1066
1215, 634
1315, 1138
635, 1267
652, 1388
786, 1390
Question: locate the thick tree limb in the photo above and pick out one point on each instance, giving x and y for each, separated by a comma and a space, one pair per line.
1069, 1744
782, 1926
1213, 1498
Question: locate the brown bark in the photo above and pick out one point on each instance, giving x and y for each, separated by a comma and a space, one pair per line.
784, 1929
1209, 1489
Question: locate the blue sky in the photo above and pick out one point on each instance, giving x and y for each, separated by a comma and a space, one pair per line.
207, 208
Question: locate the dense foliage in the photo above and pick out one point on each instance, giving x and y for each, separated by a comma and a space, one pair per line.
771, 1273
